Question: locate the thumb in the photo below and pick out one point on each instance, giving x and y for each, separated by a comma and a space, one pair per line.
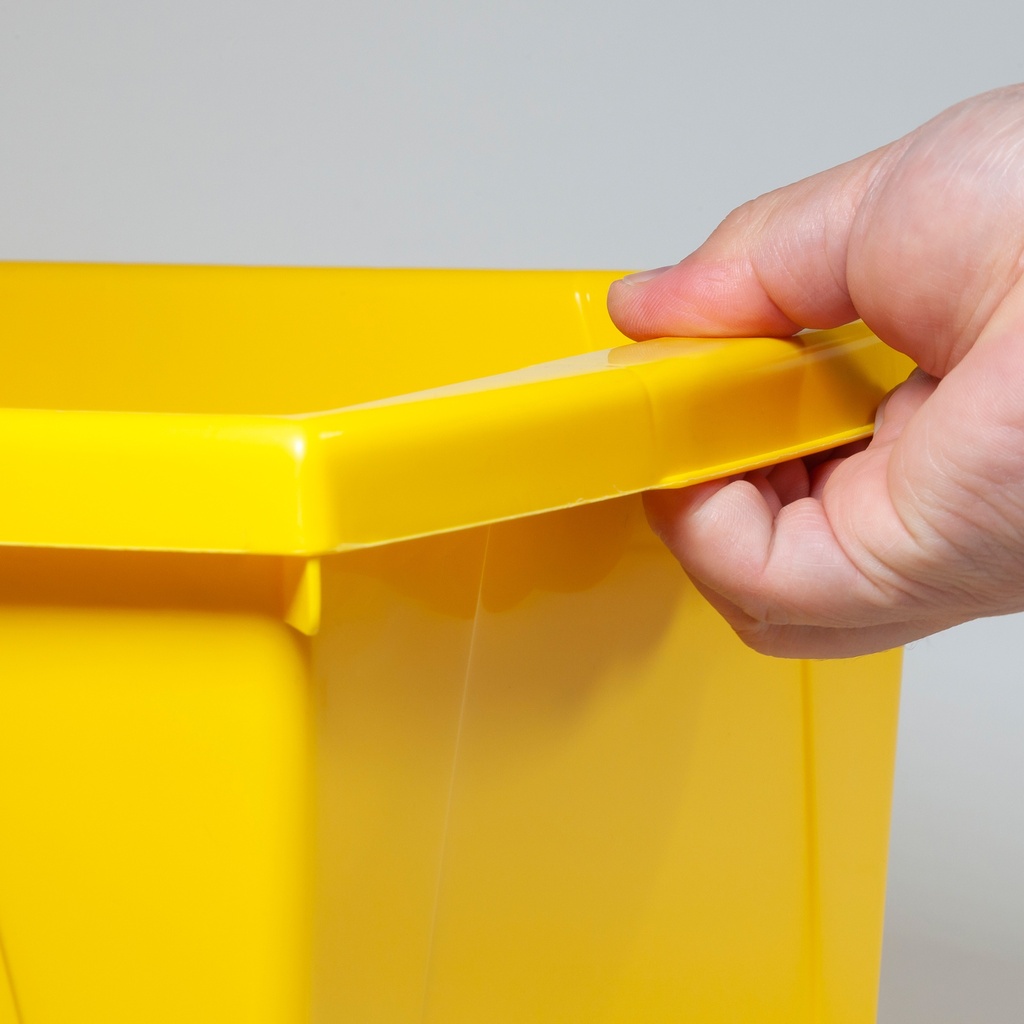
773, 266
900, 405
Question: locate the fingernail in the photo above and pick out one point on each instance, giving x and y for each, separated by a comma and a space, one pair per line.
880, 412
645, 275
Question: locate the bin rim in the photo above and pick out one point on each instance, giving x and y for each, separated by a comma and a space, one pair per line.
549, 435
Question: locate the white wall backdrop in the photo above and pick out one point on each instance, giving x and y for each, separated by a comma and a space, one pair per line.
542, 133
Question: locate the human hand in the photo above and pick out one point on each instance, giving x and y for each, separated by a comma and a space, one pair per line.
923, 528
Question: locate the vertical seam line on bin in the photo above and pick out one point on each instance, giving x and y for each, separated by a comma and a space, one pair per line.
7, 975
812, 846
442, 856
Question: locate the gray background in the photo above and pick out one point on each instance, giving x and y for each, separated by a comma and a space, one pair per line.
542, 134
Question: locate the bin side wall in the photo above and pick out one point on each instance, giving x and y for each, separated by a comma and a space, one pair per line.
153, 790
555, 787
853, 709
551, 786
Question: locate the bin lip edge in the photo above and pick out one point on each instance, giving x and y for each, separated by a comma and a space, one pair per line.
293, 546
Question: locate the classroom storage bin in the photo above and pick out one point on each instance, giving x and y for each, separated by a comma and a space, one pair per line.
342, 680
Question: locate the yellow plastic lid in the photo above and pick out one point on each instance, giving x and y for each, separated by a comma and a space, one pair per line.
303, 411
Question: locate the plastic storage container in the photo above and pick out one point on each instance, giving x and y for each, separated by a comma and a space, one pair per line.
341, 680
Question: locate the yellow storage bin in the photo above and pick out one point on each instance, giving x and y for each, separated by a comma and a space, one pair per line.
341, 680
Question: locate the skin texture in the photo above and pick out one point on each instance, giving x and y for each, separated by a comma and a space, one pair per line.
924, 527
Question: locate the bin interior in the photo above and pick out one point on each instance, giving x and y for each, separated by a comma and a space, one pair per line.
230, 340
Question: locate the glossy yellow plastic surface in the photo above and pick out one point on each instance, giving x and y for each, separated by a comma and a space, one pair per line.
299, 411
405, 716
